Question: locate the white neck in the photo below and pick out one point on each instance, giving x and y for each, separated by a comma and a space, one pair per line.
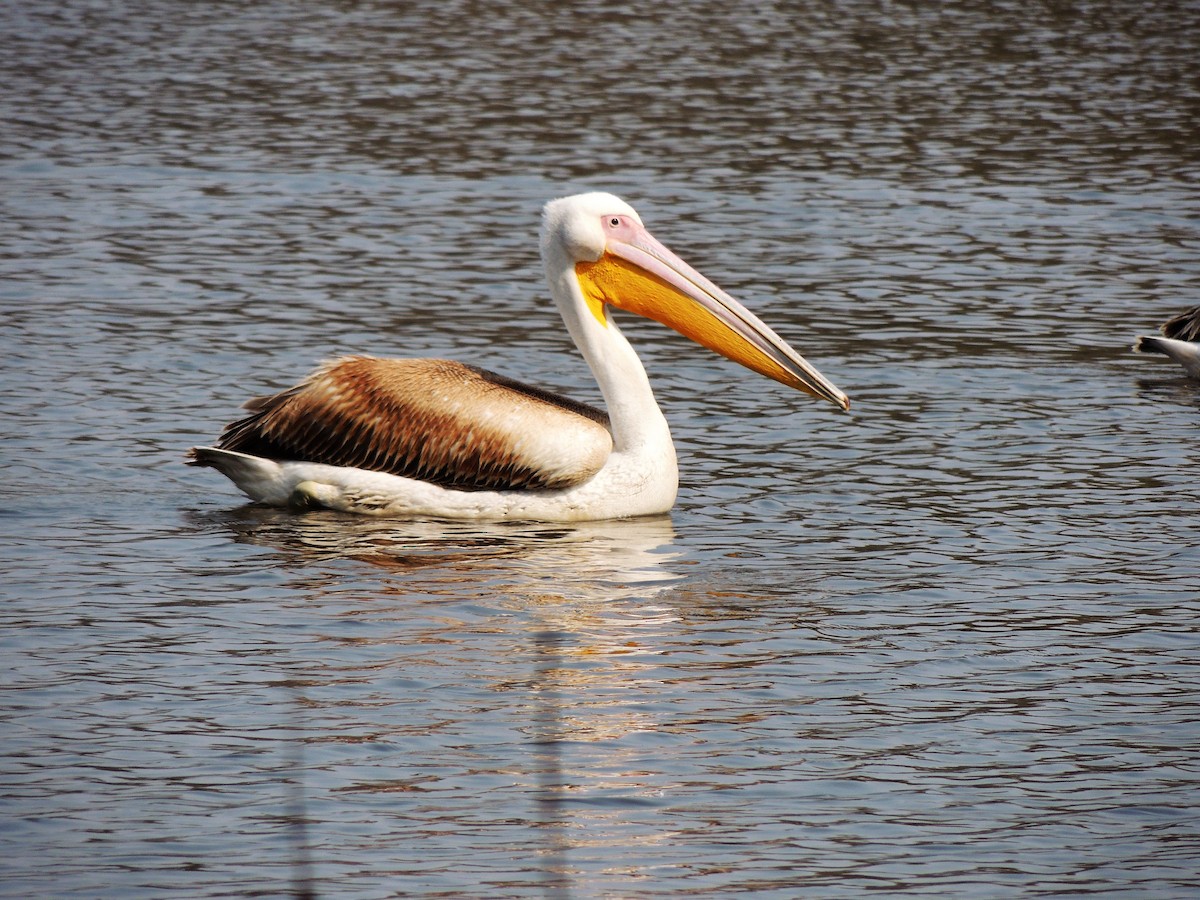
636, 421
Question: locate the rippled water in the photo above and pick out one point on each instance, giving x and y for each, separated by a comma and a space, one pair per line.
944, 645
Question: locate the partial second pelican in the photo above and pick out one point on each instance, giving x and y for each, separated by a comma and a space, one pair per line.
1180, 341
429, 437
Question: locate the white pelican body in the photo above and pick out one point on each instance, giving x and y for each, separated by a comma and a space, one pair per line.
437, 438
1180, 341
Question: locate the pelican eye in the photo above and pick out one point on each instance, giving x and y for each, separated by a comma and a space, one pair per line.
614, 221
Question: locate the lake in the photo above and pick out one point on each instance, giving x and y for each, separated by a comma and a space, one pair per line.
948, 644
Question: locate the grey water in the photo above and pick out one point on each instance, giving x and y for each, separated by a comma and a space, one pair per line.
945, 645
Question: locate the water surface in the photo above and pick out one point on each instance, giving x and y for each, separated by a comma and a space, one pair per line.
943, 645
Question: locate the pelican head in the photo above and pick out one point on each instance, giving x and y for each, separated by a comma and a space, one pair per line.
617, 262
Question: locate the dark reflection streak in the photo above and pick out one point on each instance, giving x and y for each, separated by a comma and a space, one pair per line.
304, 886
547, 754
1179, 389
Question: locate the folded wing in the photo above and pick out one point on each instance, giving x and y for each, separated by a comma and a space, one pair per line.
1184, 327
429, 419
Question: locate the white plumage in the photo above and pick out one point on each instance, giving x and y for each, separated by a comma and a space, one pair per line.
436, 438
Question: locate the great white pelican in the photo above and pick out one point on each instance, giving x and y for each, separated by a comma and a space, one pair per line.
1180, 341
431, 437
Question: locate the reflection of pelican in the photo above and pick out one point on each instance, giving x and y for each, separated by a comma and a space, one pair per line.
1180, 341
438, 438
558, 629
600, 561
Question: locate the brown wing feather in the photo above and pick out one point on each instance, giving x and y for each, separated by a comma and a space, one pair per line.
430, 419
1184, 327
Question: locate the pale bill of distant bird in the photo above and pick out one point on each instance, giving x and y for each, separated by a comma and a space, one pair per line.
1180, 341
428, 437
